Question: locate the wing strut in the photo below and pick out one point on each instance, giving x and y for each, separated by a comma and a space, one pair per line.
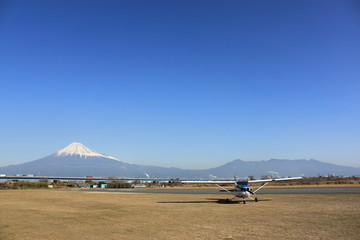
261, 187
225, 190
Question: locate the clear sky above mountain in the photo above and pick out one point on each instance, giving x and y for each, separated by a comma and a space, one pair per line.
190, 84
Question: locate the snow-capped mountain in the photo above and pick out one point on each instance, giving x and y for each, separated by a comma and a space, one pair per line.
76, 160
79, 149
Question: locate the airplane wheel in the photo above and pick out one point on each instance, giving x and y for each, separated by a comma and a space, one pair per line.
228, 200
256, 199
244, 202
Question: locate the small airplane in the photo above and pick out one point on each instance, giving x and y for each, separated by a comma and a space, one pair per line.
243, 191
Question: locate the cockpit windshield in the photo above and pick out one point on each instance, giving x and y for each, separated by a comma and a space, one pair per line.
242, 183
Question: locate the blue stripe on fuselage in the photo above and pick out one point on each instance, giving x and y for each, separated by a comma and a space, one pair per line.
243, 187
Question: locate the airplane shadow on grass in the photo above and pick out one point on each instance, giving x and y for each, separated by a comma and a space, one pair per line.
218, 201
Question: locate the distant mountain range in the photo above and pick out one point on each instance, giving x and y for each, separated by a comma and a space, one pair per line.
76, 160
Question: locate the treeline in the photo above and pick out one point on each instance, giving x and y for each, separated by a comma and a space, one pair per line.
320, 180
118, 184
23, 185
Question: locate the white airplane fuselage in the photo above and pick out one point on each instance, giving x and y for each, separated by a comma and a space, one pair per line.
243, 190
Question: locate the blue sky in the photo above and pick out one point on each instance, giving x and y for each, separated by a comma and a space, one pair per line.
190, 84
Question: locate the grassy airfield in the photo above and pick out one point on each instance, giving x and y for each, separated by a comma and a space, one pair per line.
53, 214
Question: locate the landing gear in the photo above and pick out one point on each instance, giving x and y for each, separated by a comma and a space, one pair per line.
244, 202
228, 200
256, 199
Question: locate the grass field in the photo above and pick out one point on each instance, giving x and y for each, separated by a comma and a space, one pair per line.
52, 214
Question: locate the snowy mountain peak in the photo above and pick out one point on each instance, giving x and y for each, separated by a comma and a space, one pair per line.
79, 149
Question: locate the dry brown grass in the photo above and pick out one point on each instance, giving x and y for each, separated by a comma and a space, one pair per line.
51, 214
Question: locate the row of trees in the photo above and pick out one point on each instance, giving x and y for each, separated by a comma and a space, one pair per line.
119, 183
320, 180
23, 185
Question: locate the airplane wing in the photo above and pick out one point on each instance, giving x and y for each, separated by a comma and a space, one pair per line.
233, 181
266, 181
208, 181
275, 179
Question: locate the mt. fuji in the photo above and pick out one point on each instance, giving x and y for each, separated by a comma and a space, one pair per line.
76, 160
79, 149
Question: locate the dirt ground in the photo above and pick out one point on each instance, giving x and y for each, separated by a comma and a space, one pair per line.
55, 214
